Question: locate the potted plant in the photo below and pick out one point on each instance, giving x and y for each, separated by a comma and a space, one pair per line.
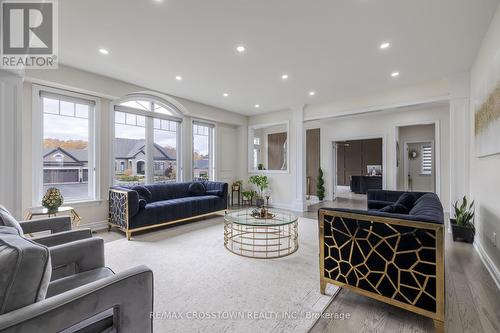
237, 185
52, 200
262, 183
260, 166
462, 226
320, 185
248, 196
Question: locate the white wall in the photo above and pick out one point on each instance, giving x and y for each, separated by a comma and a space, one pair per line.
382, 124
485, 172
287, 188
230, 128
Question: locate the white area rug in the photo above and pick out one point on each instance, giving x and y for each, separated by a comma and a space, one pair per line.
195, 276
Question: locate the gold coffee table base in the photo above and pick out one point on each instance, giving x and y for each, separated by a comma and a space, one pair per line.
75, 217
261, 241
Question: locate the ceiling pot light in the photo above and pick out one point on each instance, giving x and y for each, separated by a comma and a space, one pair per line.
284, 76
395, 74
240, 48
257, 106
225, 94
178, 78
103, 51
312, 93
385, 45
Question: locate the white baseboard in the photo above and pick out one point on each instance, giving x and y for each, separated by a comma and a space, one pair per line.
488, 263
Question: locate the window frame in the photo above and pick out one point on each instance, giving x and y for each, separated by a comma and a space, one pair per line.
149, 129
211, 147
38, 133
423, 170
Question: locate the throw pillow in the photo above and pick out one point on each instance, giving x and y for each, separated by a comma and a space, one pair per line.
144, 193
407, 200
197, 189
394, 209
6, 219
142, 203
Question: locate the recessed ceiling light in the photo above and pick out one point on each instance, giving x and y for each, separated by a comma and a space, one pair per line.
395, 74
159, 1
257, 106
312, 93
225, 94
284, 76
385, 45
178, 78
104, 51
240, 48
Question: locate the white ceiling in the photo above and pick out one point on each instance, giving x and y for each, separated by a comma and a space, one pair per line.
330, 46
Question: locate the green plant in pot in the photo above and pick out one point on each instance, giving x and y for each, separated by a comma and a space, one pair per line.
262, 183
462, 226
320, 185
237, 185
52, 200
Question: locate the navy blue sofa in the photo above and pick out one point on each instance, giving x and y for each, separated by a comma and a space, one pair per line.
142, 207
393, 251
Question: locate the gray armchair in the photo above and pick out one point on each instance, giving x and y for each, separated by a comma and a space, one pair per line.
87, 297
59, 227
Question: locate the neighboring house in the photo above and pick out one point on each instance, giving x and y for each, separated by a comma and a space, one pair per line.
63, 166
130, 155
200, 169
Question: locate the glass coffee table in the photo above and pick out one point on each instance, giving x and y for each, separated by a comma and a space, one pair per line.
274, 236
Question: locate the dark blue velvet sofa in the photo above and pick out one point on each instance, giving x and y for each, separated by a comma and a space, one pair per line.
142, 207
392, 252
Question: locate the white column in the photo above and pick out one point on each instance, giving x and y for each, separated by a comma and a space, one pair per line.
297, 144
459, 137
187, 148
11, 90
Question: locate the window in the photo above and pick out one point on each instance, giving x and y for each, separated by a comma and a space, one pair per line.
203, 151
147, 137
67, 140
426, 159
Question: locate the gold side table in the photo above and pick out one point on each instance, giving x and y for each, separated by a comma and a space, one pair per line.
41, 211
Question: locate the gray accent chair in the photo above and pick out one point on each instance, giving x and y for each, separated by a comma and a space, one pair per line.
59, 227
85, 297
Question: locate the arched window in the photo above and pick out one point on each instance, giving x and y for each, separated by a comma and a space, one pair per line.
147, 131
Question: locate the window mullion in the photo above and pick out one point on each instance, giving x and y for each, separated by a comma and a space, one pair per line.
149, 149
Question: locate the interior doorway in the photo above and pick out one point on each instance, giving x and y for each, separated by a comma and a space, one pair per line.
358, 166
313, 150
417, 171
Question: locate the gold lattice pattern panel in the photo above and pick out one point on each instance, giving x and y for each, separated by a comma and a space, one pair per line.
394, 261
118, 208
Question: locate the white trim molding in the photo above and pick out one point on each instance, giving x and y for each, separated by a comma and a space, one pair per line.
488, 263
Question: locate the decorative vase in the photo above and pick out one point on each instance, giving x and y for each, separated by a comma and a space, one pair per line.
52, 200
259, 202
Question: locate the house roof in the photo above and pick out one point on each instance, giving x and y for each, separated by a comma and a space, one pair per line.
124, 149
201, 164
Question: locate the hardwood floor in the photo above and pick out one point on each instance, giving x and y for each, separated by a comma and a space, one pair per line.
472, 298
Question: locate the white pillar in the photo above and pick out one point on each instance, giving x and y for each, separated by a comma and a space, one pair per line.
297, 144
459, 136
11, 90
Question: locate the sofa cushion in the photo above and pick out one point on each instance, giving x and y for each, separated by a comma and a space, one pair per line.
395, 209
428, 207
144, 193
7, 220
407, 200
64, 284
218, 193
197, 189
25, 271
162, 192
142, 203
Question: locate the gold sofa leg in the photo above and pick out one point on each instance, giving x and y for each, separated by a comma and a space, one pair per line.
109, 227
439, 325
322, 286
129, 234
